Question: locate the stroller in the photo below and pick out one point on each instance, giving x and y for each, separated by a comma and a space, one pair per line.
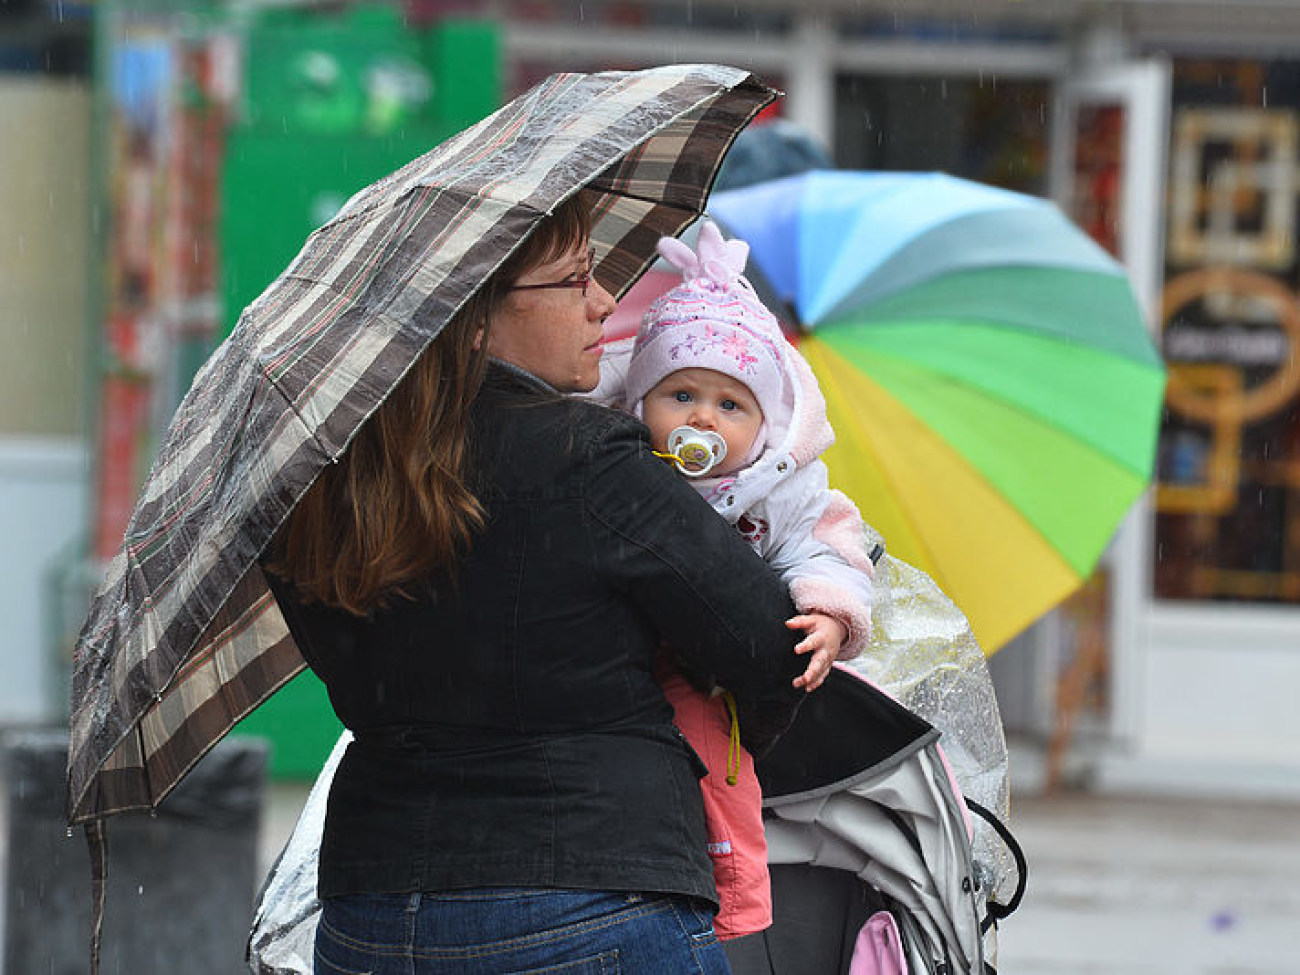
878, 866
884, 806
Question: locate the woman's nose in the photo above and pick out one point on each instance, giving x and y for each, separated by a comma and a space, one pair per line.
600, 300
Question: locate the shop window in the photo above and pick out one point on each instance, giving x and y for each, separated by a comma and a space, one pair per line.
1228, 469
991, 131
45, 40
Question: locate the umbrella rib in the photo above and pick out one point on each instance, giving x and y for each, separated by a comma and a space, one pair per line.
652, 201
293, 408
144, 761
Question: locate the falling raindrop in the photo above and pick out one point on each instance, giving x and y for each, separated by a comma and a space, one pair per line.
139, 890
69, 832
1263, 96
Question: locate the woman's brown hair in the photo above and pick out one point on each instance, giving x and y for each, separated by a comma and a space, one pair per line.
396, 507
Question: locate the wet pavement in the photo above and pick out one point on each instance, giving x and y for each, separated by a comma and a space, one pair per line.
1121, 886
1155, 886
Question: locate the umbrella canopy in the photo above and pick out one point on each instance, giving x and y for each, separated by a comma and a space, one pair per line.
993, 388
184, 638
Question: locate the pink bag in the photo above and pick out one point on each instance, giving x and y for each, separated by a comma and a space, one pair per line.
879, 948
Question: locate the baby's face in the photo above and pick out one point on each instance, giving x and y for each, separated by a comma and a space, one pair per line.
706, 400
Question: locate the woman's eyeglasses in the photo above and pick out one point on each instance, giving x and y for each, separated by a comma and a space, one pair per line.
579, 280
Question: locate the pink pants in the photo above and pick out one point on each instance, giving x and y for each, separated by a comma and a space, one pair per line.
732, 813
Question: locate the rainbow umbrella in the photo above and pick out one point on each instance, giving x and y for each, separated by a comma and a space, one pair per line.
992, 385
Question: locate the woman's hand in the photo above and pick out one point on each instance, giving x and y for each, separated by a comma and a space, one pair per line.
825, 637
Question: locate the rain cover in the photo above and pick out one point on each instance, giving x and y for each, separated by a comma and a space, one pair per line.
284, 927
923, 653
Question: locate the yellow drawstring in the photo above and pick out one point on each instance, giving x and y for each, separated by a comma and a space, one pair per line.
733, 750
673, 457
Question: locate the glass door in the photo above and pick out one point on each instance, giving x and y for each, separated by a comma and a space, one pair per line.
1108, 165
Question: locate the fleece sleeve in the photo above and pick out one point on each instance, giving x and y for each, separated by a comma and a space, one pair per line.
819, 546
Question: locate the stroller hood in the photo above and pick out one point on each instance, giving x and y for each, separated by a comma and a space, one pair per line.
859, 784
847, 731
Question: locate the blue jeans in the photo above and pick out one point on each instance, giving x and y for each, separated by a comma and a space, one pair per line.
495, 931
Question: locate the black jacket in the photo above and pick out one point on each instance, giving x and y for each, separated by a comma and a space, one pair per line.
508, 729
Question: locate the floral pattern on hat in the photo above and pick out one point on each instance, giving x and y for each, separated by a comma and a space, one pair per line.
731, 343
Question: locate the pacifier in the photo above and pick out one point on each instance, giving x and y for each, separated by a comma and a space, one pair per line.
696, 452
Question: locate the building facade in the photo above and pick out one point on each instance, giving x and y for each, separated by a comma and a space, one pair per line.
1168, 131
1167, 128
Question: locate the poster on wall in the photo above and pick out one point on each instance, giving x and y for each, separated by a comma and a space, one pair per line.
1228, 492
1096, 204
1098, 172
163, 147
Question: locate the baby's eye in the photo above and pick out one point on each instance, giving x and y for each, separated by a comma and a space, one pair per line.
682, 396
730, 404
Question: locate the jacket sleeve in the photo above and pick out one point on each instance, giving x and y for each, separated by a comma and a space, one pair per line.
820, 549
718, 604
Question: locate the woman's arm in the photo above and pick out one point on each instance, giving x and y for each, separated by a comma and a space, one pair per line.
714, 600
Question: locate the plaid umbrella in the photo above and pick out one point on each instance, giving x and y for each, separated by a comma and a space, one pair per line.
184, 638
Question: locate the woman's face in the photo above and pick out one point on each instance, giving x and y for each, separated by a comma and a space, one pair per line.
554, 333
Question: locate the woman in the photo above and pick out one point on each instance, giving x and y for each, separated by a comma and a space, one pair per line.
483, 584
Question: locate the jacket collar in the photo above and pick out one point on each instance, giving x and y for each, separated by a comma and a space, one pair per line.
502, 373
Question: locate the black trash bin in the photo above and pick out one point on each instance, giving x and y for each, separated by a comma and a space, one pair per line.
181, 883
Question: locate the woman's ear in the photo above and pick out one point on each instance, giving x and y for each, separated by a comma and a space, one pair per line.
478, 339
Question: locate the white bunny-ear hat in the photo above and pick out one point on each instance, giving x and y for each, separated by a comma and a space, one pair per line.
712, 320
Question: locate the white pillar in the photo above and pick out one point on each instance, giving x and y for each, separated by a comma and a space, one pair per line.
810, 78
1103, 41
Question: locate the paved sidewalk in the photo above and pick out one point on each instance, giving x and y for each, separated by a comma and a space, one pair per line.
1155, 886
1120, 886
283, 804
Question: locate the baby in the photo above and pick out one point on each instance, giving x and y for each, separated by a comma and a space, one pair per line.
737, 410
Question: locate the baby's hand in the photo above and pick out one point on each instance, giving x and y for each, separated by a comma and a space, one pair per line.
825, 637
